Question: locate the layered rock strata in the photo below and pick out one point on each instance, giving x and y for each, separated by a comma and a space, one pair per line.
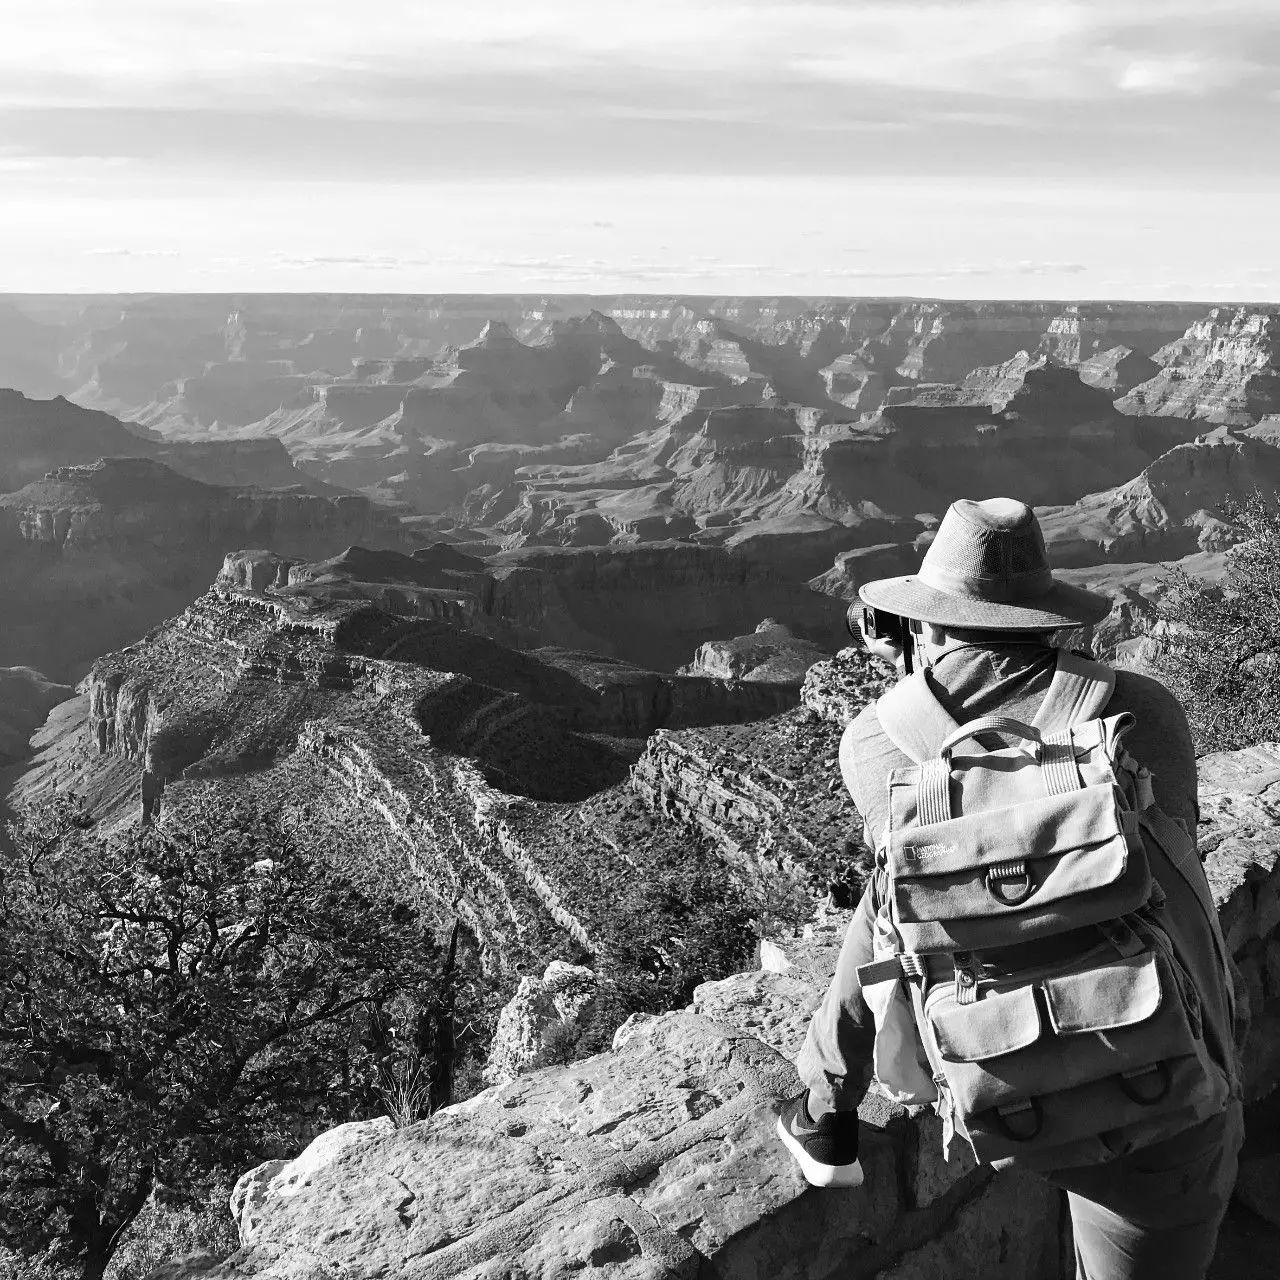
1173, 508
1117, 370
430, 402
428, 760
770, 794
1225, 368
98, 553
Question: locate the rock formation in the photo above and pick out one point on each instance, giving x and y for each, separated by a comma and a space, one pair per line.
418, 752
1084, 332
657, 1159
653, 603
1117, 370
772, 653
946, 341
100, 552
540, 1022
38, 436
442, 404
769, 794
1225, 368
1173, 508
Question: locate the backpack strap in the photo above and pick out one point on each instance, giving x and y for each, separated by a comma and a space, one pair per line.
1080, 690
913, 719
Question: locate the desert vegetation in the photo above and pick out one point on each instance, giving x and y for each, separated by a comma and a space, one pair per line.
178, 1004
1219, 647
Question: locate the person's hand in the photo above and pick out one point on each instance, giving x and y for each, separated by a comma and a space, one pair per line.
881, 646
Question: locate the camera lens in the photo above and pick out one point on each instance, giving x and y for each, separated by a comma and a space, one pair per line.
855, 619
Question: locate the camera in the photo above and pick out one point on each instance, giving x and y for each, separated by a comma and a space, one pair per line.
866, 620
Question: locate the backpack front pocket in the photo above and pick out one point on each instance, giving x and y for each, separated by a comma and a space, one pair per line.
1063, 1057
1001, 876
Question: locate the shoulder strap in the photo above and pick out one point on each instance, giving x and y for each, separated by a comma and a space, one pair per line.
1080, 690
913, 719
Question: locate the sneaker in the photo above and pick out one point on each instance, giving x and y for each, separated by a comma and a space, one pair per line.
826, 1149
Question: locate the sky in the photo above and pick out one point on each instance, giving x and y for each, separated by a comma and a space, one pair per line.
950, 148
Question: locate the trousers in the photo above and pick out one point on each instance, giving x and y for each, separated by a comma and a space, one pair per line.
1154, 1214
1151, 1215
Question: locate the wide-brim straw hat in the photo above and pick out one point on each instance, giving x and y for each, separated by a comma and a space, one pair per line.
987, 568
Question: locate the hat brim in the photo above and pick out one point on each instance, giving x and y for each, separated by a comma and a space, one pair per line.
1063, 605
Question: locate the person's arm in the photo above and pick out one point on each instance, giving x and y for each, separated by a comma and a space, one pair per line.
1161, 740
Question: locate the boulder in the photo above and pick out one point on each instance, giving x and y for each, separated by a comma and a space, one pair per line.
541, 1011
656, 1159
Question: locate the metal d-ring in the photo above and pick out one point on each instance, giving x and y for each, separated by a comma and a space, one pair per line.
1010, 884
1036, 1116
1126, 1082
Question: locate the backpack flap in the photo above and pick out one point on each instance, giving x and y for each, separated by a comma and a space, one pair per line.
1067, 1057
1002, 876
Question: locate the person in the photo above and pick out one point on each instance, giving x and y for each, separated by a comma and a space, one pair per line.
984, 611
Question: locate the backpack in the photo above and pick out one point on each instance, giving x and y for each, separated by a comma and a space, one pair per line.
1048, 967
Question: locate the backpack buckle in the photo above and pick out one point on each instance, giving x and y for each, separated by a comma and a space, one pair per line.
1020, 1121
966, 977
1129, 1082
1010, 883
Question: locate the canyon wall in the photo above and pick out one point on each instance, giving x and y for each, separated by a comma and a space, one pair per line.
98, 553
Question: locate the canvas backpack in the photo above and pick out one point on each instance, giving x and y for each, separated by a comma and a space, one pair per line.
1048, 966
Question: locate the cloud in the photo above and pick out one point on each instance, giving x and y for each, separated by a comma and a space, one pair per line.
246, 55
1185, 74
1023, 268
284, 90
131, 253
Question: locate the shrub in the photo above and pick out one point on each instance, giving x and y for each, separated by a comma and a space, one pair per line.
163, 1232
1220, 651
172, 1003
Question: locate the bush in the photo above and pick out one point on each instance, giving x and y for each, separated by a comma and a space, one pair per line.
174, 1002
1220, 647
163, 1232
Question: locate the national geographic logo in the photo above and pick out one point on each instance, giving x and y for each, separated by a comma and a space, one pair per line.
923, 852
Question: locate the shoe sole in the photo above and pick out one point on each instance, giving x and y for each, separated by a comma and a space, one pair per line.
815, 1173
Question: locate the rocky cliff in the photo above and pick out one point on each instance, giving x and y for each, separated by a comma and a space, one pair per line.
658, 1158
768, 794
426, 758
1225, 368
38, 436
1084, 332
98, 553
1173, 508
1117, 370
649, 604
794, 487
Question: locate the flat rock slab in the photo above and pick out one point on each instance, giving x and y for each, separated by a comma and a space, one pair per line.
658, 1159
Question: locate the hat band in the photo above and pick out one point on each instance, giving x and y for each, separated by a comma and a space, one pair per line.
1008, 590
